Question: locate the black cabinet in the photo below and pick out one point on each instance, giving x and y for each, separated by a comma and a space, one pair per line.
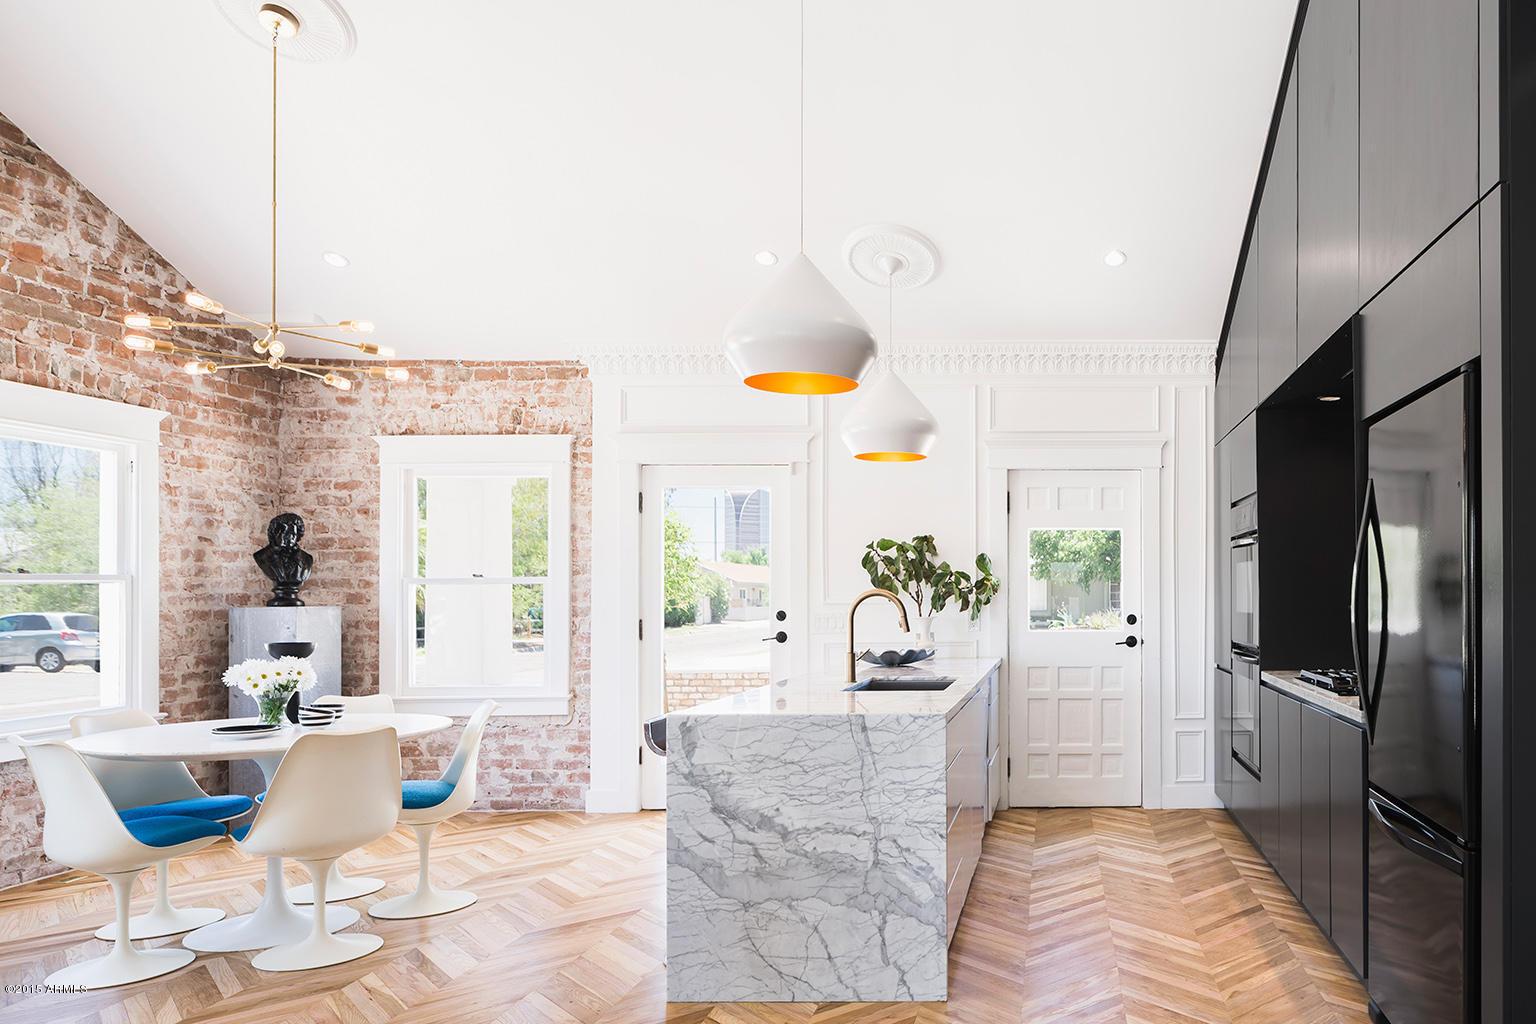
1283, 831
1425, 324
1225, 767
1269, 778
1327, 172
1243, 452
1418, 128
1240, 360
1276, 233
1346, 840
1316, 808
1247, 802
1221, 631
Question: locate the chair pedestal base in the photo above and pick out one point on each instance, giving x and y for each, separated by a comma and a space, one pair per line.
319, 949
123, 966
163, 919
276, 921
315, 952
338, 887
422, 904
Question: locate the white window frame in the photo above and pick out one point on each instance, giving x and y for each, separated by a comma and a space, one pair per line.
401, 461
131, 436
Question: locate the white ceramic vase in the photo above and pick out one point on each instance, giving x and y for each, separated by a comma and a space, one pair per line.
922, 633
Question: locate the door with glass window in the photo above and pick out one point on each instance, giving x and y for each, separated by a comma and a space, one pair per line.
715, 589
1075, 638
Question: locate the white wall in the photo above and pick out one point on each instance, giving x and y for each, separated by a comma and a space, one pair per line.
997, 405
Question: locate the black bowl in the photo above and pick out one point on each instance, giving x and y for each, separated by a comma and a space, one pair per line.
290, 648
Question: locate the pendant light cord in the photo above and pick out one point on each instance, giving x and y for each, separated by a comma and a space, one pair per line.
274, 176
802, 126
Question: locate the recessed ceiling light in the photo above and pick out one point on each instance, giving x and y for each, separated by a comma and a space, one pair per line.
766, 258
335, 259
1328, 398
1114, 258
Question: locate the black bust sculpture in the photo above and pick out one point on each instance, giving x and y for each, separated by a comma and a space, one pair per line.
286, 564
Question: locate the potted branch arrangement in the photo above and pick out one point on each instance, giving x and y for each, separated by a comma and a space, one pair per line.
911, 568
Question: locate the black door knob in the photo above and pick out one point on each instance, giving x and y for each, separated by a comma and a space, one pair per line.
1129, 641
781, 615
778, 637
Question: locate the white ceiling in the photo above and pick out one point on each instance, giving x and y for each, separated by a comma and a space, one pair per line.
527, 179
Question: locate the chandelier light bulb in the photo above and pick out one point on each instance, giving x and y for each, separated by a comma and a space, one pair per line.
276, 349
199, 301
382, 351
356, 326
338, 382
201, 367
139, 343
143, 321
396, 374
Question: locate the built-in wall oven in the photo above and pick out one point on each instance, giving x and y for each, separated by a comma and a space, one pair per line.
1245, 634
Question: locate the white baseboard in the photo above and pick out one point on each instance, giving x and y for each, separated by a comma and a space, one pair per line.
1190, 796
612, 801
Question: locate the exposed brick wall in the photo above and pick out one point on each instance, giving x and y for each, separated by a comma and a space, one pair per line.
331, 477
69, 268
685, 689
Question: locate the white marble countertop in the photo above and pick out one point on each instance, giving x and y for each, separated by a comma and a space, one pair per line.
823, 694
1286, 681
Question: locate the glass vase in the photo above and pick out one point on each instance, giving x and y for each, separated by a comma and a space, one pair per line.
269, 709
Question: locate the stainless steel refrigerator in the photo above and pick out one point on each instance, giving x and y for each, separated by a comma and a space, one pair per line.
1416, 652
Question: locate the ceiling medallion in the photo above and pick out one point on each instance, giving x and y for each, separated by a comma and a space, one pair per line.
267, 348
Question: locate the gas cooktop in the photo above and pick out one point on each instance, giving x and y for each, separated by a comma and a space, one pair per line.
1342, 681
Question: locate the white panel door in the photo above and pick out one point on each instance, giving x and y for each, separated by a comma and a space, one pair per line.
1074, 638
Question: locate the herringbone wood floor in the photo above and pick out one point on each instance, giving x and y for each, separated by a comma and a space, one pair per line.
1081, 916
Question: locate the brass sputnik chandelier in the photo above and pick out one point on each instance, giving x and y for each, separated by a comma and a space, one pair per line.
268, 347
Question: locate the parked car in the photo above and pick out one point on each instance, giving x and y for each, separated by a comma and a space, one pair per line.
49, 640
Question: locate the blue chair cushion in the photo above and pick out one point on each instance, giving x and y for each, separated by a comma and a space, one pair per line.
209, 808
416, 794
239, 832
172, 830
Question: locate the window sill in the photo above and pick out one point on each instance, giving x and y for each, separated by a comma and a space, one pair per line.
506, 706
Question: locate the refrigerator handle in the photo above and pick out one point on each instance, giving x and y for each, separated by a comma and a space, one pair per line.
1429, 851
1371, 697
1356, 621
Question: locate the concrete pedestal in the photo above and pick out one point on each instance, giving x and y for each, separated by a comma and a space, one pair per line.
250, 630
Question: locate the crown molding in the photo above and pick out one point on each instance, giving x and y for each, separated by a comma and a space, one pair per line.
1044, 358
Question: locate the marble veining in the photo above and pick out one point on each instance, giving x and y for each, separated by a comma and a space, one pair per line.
806, 856
1289, 682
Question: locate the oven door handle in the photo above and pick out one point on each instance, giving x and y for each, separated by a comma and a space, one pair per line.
1430, 851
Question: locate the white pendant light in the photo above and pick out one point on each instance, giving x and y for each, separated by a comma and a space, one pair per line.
888, 423
800, 336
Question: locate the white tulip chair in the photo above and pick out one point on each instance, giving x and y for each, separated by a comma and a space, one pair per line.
143, 789
82, 829
427, 803
340, 887
332, 793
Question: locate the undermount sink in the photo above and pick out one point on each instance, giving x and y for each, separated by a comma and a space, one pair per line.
893, 684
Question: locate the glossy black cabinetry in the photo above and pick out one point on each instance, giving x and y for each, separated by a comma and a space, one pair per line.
1221, 631
1276, 236
1237, 390
1346, 839
1418, 128
1327, 172
1316, 851
1243, 450
1312, 818
1225, 767
1425, 324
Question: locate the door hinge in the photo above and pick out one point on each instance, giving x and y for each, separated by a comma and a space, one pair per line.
642, 629
1008, 502
642, 754
1008, 766
642, 501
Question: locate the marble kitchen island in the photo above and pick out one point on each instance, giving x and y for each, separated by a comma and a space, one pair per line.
820, 842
